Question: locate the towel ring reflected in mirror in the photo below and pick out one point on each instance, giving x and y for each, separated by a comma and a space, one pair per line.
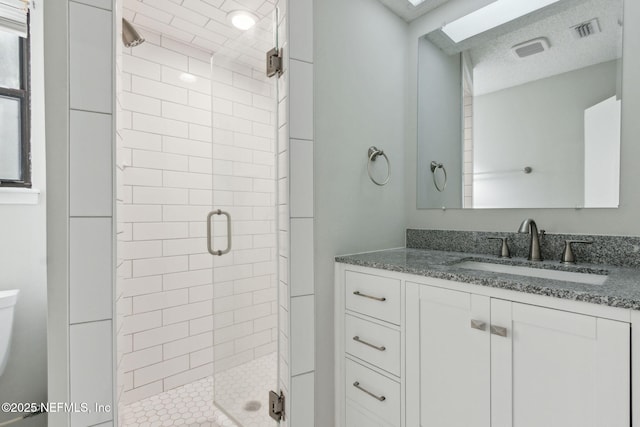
434, 168
373, 154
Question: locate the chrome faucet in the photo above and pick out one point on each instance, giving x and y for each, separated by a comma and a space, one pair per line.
529, 226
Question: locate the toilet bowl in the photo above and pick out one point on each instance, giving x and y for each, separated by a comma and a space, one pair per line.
7, 302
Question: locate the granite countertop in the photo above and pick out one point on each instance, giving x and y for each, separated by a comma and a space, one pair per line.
621, 288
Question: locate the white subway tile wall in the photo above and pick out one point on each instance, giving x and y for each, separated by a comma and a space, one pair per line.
468, 151
183, 308
125, 248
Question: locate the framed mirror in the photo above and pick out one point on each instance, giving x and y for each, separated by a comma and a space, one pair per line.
522, 110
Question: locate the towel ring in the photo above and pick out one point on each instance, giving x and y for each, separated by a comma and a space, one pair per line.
373, 155
434, 167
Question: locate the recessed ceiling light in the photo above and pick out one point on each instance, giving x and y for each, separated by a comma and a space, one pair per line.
241, 19
491, 16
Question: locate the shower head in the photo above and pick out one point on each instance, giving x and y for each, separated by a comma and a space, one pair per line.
130, 36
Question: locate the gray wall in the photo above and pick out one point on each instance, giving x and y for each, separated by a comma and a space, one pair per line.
23, 263
538, 124
621, 221
439, 126
360, 78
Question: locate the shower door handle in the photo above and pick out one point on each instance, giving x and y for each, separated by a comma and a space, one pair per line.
210, 233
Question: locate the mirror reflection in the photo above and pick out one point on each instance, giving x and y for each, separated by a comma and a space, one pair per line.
522, 110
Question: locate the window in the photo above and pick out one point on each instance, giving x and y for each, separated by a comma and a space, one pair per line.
15, 156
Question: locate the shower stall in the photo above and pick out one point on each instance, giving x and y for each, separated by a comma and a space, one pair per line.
197, 206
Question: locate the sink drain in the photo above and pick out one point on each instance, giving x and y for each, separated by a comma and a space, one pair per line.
252, 406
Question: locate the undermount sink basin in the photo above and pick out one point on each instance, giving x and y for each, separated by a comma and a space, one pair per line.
567, 276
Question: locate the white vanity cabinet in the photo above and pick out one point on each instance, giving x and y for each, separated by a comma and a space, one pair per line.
490, 362
475, 356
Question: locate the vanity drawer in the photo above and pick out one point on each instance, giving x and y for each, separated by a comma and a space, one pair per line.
373, 343
374, 392
374, 296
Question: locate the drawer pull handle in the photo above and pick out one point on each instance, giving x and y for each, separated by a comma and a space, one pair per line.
499, 330
379, 398
357, 339
478, 324
357, 293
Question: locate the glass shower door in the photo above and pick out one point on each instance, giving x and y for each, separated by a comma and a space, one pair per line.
243, 227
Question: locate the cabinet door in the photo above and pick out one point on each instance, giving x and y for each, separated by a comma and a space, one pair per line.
453, 362
558, 369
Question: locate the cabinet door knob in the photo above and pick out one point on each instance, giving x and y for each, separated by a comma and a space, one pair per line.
478, 324
379, 398
379, 348
498, 330
359, 294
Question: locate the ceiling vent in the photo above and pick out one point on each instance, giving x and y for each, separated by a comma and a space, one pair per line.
531, 47
587, 29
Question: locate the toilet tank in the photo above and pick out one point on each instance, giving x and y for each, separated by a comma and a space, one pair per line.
7, 302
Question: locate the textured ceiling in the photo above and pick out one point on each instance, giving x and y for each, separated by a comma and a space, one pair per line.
203, 23
497, 67
407, 11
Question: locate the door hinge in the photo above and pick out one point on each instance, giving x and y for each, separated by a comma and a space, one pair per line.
274, 62
276, 406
